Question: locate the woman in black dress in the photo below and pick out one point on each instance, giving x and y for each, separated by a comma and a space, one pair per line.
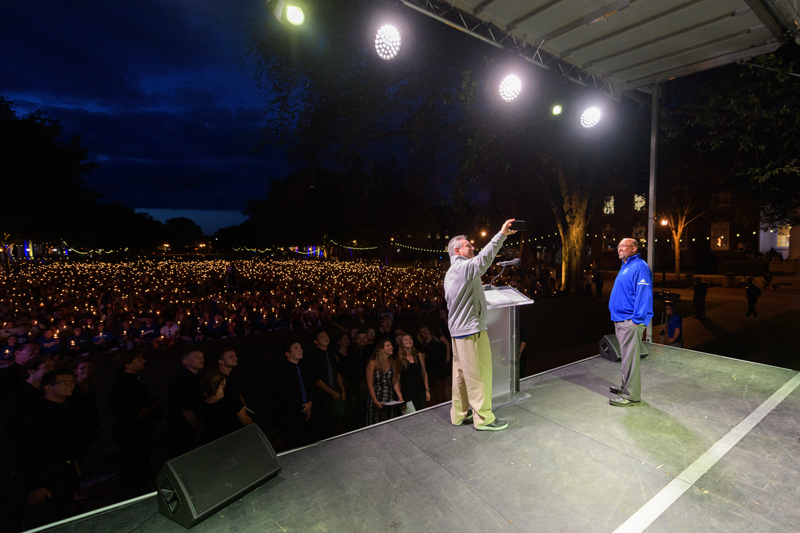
383, 379
219, 414
414, 375
437, 365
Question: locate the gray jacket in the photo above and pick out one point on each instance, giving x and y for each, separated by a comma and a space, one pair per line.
466, 303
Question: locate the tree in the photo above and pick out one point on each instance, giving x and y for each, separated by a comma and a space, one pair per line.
745, 119
39, 165
183, 231
523, 148
685, 197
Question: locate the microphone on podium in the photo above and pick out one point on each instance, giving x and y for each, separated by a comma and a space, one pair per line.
514, 262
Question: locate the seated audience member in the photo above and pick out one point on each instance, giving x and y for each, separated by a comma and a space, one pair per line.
83, 404
77, 343
9, 330
24, 334
8, 349
102, 340
183, 426
134, 412
127, 334
148, 334
187, 330
50, 345
293, 390
48, 476
226, 363
170, 334
219, 414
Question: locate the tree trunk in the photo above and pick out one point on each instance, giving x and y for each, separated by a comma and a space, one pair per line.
676, 237
572, 218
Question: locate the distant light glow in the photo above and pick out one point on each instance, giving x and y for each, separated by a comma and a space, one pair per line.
590, 117
387, 42
557, 109
510, 88
295, 15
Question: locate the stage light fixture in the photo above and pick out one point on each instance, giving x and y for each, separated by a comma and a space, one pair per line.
290, 13
387, 42
510, 88
557, 109
590, 117
295, 15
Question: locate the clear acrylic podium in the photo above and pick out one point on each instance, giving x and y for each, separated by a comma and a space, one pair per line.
503, 327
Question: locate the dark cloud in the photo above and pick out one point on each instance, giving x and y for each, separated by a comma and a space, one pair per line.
157, 88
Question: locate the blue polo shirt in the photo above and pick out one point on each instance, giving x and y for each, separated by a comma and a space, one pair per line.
675, 321
632, 295
149, 333
49, 347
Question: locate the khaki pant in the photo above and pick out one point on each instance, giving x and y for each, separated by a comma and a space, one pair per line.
472, 379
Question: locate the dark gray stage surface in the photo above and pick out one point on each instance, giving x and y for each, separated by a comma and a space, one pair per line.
714, 446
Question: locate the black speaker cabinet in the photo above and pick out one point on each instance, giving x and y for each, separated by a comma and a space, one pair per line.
609, 348
194, 486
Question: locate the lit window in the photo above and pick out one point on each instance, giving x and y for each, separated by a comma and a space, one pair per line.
608, 205
720, 236
639, 202
783, 236
609, 241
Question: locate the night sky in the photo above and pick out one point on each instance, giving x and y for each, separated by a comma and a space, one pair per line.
161, 91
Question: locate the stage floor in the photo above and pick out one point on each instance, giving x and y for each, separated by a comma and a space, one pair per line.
715, 445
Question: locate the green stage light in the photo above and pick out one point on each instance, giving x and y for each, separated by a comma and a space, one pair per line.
557, 109
290, 13
295, 15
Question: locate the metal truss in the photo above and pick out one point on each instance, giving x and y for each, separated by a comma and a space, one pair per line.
491, 34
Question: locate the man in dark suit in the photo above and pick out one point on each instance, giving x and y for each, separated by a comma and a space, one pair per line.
294, 389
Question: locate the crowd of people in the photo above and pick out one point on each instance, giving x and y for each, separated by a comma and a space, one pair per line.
73, 309
59, 318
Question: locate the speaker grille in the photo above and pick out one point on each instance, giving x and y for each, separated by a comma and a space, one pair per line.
225, 467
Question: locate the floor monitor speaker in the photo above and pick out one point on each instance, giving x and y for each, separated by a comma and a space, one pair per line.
609, 348
194, 486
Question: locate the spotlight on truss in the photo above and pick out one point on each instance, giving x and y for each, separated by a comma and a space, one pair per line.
290, 13
510, 88
590, 117
557, 109
295, 15
387, 42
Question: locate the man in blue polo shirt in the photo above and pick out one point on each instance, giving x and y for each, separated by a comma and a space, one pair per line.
674, 326
631, 306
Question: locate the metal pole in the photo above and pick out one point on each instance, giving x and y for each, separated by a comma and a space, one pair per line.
651, 214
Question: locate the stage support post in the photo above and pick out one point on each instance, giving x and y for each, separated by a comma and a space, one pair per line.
651, 214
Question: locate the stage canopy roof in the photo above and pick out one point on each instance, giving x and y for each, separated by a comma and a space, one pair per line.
616, 46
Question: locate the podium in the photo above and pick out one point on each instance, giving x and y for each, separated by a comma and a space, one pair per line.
503, 323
